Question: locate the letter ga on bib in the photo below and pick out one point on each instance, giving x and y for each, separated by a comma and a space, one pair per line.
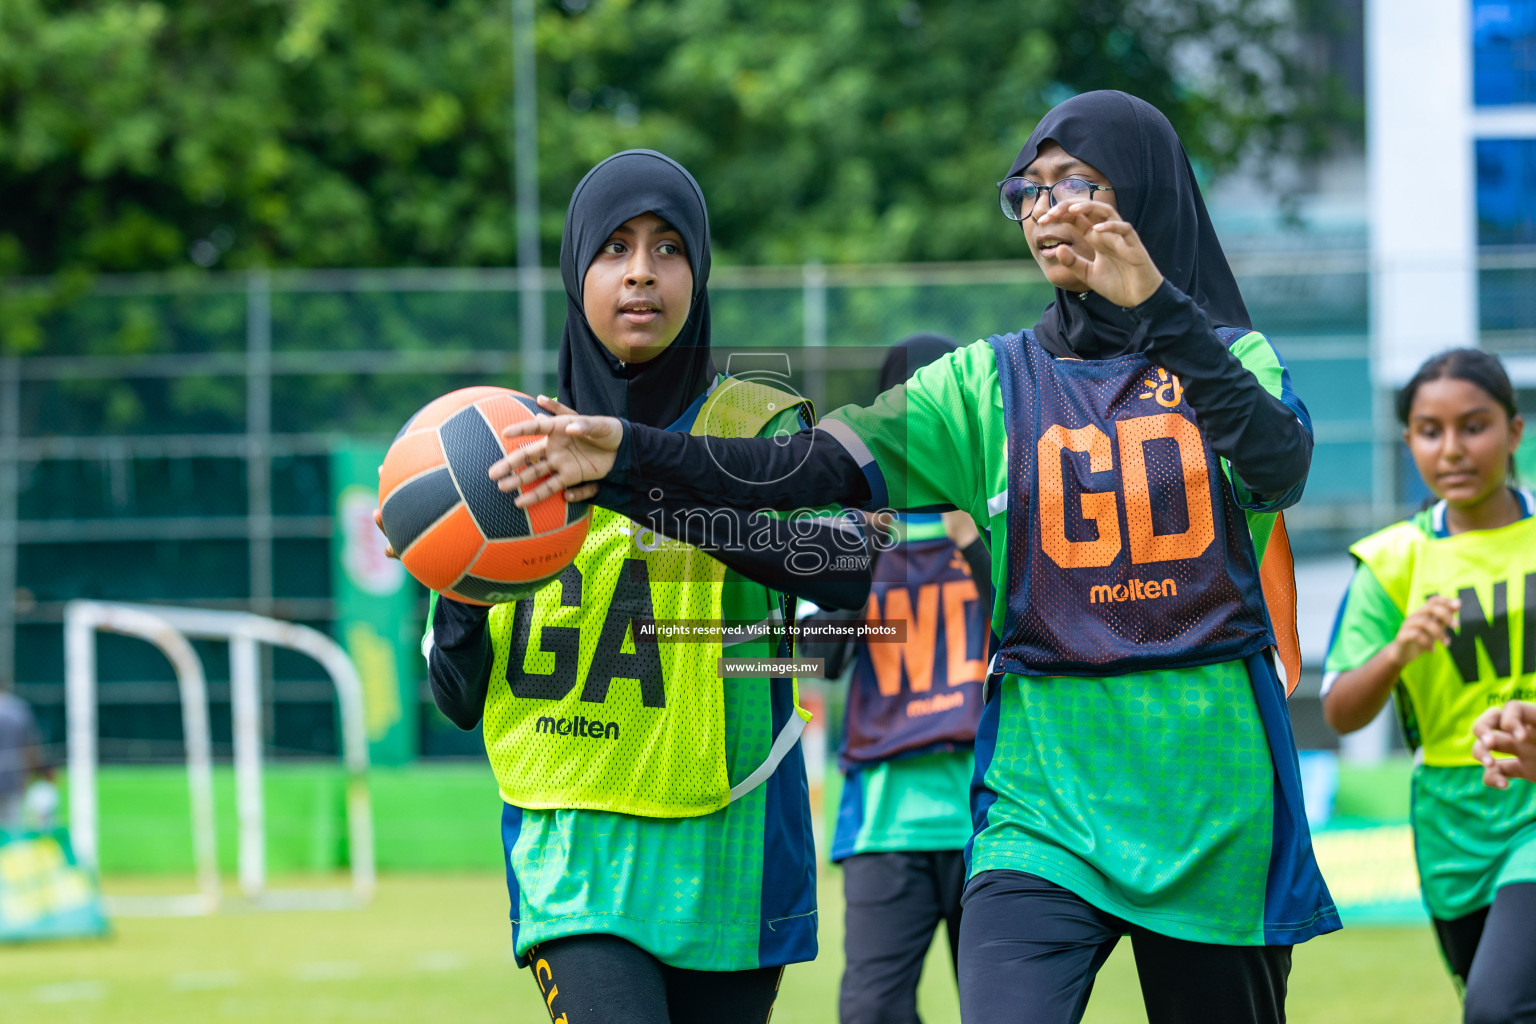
587, 710
1492, 656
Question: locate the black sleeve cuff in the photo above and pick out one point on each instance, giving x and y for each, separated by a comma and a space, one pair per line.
1165, 300
460, 659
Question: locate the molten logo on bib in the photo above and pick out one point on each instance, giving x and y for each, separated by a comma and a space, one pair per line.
936, 704
580, 725
1133, 590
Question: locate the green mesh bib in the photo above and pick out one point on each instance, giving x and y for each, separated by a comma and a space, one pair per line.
585, 709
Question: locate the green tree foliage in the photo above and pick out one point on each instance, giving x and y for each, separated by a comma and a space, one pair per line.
141, 135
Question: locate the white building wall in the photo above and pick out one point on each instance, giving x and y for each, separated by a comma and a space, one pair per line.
1421, 193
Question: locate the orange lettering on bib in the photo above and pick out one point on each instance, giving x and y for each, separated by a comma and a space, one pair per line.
962, 668
1147, 546
1098, 506
922, 639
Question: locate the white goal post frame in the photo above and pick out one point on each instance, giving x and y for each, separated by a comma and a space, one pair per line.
169, 628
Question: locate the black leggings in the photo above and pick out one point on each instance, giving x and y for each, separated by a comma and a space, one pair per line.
1492, 954
894, 903
600, 979
1030, 949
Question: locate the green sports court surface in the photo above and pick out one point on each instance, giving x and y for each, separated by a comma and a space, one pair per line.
435, 947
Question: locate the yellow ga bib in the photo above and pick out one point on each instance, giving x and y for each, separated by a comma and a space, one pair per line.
1492, 656
585, 709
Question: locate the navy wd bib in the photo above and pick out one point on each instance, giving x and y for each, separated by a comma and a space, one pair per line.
925, 694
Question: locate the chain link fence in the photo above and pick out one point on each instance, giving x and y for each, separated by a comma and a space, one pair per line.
169, 442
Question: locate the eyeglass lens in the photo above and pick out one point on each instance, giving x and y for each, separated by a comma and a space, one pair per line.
1020, 194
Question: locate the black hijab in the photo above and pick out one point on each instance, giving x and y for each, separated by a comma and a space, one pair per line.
592, 380
1135, 147
911, 354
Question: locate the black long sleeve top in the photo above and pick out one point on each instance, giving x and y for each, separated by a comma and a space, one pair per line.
1268, 447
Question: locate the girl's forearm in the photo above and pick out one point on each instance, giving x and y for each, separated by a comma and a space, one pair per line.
1257, 433
1357, 696
459, 663
804, 470
821, 559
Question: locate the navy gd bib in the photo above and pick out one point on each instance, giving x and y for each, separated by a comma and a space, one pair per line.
1126, 549
924, 694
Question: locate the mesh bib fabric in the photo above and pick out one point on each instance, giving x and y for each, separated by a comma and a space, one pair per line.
585, 710
1126, 549
924, 694
1492, 656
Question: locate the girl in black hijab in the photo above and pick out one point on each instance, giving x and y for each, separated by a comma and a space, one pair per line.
1127, 458
674, 880
656, 391
1157, 193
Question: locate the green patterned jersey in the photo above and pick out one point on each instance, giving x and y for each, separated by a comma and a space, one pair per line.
907, 803
1167, 798
1468, 839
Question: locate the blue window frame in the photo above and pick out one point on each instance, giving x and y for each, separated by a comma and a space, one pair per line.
1506, 215
1506, 192
1503, 52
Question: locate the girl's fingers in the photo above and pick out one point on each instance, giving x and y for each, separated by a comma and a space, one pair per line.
1088, 211
1443, 608
519, 469
555, 406
1500, 741
1118, 230
1121, 247
1070, 257
581, 492
524, 478
1093, 211
1507, 768
518, 458
549, 487
1443, 612
378, 520
531, 427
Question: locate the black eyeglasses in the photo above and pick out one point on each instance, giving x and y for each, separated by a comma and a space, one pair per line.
1016, 195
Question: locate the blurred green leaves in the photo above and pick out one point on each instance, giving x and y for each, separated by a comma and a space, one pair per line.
321, 133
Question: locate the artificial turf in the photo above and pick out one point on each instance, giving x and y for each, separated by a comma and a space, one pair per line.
436, 947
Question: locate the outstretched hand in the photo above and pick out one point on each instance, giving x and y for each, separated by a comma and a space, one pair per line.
566, 451
1105, 251
1510, 729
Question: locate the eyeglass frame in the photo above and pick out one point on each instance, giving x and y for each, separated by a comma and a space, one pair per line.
1049, 190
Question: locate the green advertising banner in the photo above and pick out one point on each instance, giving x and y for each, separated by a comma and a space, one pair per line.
375, 606
43, 894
